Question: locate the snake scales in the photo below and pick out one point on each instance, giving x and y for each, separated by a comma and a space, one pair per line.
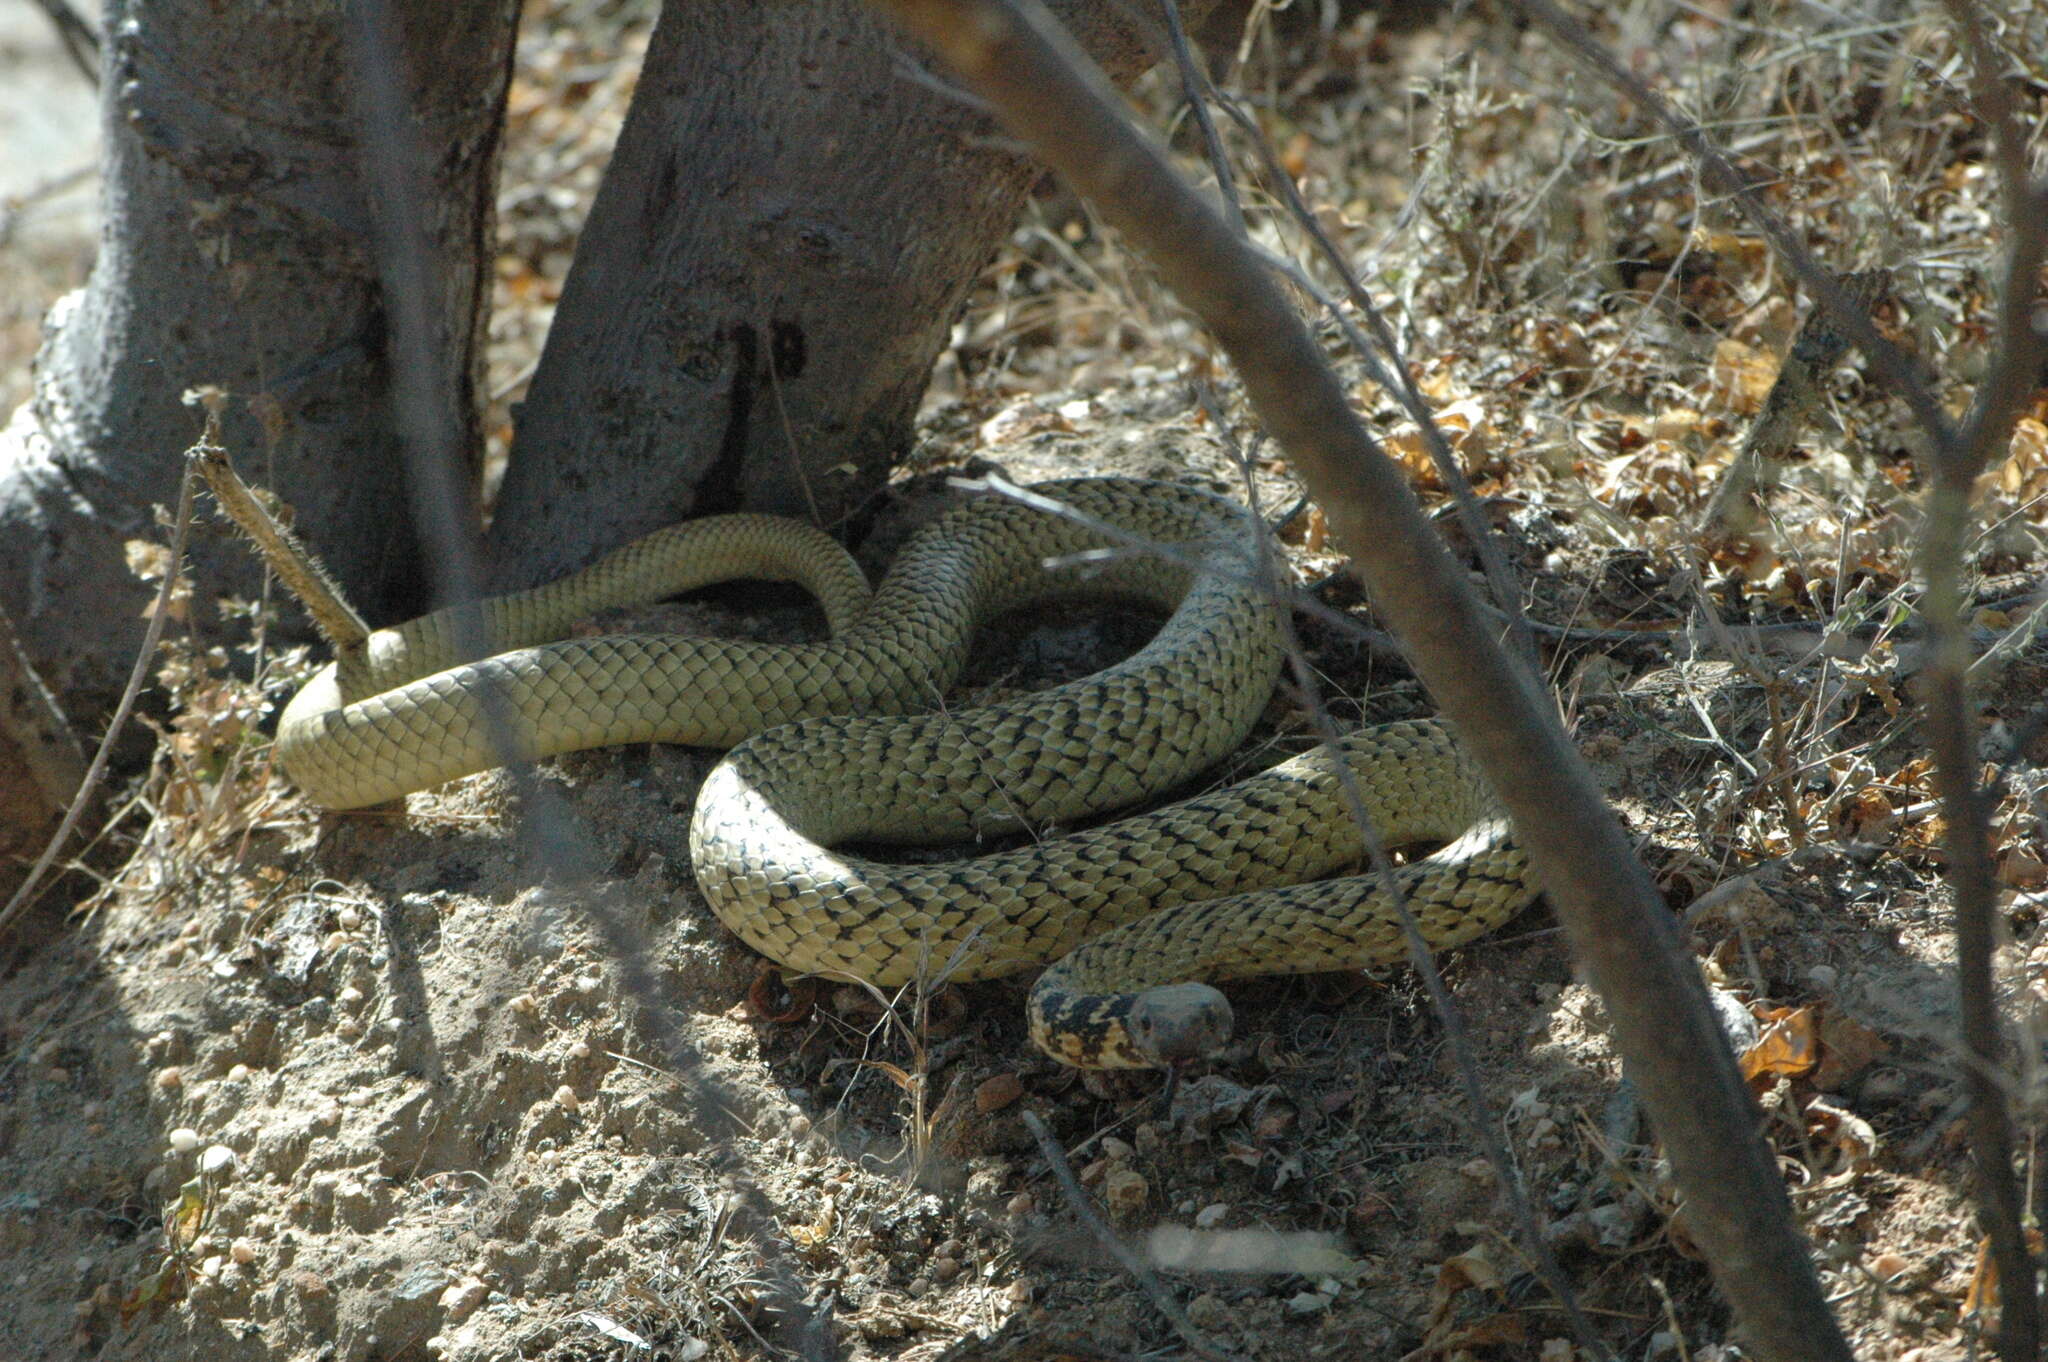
1205, 889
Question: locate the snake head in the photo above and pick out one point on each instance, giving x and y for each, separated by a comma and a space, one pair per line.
1174, 1024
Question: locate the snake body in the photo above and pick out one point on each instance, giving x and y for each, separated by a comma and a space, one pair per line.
826, 755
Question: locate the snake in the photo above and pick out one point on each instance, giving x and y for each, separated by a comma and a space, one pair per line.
850, 741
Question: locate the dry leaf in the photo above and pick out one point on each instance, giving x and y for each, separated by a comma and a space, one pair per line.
1788, 1048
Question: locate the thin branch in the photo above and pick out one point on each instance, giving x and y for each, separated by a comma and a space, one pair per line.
1194, 87
1019, 60
152, 635
1126, 1257
1478, 1110
81, 43
2021, 342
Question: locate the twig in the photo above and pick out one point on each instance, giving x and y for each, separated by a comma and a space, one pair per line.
152, 634
2021, 346
1194, 87
1016, 57
446, 518
1126, 1257
81, 44
1478, 1110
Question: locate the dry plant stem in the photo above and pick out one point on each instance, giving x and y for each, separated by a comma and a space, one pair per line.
447, 523
1016, 59
1194, 88
293, 563
1085, 1212
151, 636
2022, 342
1478, 1110
1388, 368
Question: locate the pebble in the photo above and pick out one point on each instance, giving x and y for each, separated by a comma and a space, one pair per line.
1124, 1192
460, 1300
170, 1079
1210, 1216
1021, 1204
945, 1269
243, 1251
219, 1163
567, 1100
994, 1094
184, 1139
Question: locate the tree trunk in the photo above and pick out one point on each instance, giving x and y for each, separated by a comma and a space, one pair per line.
235, 250
790, 224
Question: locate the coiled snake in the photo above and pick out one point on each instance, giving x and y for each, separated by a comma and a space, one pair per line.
1205, 889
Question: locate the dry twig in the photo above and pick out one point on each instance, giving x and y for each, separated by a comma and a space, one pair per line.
1018, 59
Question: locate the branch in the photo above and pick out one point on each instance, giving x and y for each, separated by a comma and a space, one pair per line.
2021, 343
1013, 56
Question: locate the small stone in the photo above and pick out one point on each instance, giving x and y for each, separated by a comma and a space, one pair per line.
333, 943
328, 1113
1124, 1192
170, 1079
1479, 1170
580, 1051
240, 1073
1308, 1303
348, 919
524, 1005
219, 1163
1020, 1204
243, 1251
1886, 1266
1116, 1150
460, 1300
1210, 1216
945, 1269
1018, 1292
184, 1139
1823, 978
567, 1100
994, 1094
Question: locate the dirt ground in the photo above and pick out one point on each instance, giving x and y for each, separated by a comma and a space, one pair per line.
482, 1078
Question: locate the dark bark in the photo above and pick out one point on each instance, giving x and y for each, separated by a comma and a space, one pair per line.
788, 228
235, 251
